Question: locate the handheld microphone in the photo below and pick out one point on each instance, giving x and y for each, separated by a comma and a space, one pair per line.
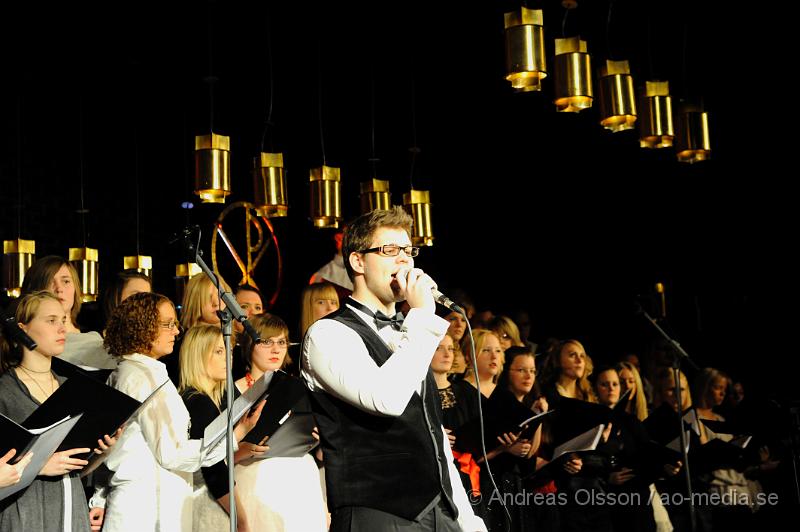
445, 301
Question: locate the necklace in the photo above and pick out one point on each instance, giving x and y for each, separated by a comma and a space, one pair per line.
33, 370
52, 387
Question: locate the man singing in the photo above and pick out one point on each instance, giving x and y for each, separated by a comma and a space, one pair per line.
388, 463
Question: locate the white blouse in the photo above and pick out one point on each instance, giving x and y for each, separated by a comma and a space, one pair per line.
154, 458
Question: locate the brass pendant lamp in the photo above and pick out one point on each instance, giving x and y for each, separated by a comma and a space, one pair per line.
325, 197
573, 76
212, 167
526, 65
269, 186
655, 116
18, 257
617, 98
692, 136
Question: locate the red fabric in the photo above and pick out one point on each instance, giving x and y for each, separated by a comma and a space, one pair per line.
467, 464
550, 487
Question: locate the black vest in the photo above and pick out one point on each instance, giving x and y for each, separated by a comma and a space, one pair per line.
393, 464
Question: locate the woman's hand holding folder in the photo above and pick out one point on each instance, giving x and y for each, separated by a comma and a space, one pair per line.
63, 462
10, 474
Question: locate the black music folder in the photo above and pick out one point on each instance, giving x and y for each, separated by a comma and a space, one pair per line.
527, 428
105, 409
216, 430
42, 442
293, 436
574, 417
284, 394
662, 424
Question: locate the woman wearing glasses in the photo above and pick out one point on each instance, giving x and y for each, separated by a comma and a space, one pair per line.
153, 462
280, 494
515, 399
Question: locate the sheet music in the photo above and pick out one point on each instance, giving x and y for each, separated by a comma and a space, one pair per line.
215, 430
44, 447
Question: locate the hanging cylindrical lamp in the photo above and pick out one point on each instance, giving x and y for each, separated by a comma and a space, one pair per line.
140, 263
617, 98
655, 116
18, 256
692, 137
269, 186
525, 59
86, 262
375, 195
326, 200
573, 76
212, 170
418, 204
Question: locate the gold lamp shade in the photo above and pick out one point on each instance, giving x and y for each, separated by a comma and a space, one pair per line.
655, 118
212, 170
269, 186
692, 138
326, 200
418, 204
375, 195
617, 98
187, 270
85, 261
573, 76
18, 256
525, 58
140, 263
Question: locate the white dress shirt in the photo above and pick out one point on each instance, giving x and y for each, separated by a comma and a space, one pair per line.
335, 360
154, 458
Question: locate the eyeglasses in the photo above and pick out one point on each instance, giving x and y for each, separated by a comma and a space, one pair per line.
392, 250
269, 342
170, 325
523, 371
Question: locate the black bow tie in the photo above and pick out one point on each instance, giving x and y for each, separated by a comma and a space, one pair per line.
381, 319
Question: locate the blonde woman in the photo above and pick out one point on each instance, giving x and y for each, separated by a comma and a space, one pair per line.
506, 330
566, 371
201, 302
318, 300
630, 379
488, 362
202, 389
55, 500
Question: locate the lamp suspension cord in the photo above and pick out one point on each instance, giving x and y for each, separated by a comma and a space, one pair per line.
269, 123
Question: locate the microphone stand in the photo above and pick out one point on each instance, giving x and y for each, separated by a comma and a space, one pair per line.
232, 311
676, 373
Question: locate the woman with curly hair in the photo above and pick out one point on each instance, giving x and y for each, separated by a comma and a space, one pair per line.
151, 486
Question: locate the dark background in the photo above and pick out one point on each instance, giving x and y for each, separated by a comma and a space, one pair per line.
532, 208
